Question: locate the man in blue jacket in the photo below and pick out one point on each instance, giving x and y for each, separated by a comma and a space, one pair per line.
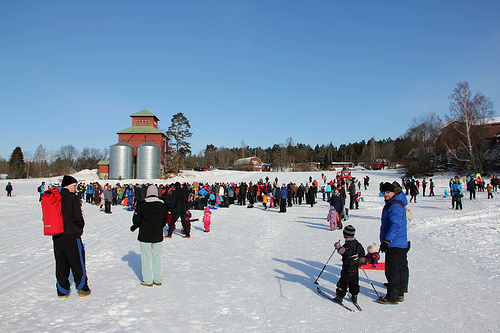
283, 196
394, 242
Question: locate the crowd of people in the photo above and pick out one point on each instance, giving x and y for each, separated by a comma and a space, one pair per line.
156, 207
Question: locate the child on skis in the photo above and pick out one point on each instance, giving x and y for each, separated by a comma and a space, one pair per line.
333, 218
188, 223
352, 252
207, 217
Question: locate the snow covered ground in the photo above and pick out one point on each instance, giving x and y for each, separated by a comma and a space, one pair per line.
255, 270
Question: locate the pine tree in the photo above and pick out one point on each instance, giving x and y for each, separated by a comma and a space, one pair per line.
16, 164
177, 133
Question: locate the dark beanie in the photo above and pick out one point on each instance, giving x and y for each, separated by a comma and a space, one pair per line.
68, 180
349, 231
387, 187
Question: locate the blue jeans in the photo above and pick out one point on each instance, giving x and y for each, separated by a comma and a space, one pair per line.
151, 262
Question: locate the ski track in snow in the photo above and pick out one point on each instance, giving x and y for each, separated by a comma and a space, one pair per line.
254, 271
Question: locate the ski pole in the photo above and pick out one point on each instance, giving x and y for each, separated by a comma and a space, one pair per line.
316, 281
370, 281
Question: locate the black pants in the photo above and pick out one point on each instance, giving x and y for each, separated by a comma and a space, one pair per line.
348, 278
396, 265
282, 205
456, 201
107, 207
70, 255
185, 225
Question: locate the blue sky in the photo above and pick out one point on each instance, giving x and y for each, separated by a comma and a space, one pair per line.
72, 72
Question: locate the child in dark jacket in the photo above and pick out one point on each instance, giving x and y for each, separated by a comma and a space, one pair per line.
352, 253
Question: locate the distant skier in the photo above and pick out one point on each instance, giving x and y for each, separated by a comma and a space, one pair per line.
9, 188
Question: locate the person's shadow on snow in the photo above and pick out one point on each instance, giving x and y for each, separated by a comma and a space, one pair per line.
134, 262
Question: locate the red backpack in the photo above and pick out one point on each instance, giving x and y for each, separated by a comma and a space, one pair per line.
52, 213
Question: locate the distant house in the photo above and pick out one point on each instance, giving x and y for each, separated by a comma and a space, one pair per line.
342, 164
248, 164
492, 129
305, 167
103, 169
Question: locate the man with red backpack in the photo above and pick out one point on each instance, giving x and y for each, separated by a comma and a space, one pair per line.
69, 251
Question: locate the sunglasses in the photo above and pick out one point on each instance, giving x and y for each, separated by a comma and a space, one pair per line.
386, 192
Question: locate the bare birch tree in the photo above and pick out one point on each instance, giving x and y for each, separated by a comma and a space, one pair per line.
467, 117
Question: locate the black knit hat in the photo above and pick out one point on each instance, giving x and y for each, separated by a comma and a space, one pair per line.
349, 231
387, 187
68, 180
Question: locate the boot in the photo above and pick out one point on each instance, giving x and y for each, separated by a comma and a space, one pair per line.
354, 299
382, 300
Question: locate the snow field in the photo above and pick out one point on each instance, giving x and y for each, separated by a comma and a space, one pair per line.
254, 271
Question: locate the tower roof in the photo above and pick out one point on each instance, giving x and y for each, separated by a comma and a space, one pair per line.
144, 113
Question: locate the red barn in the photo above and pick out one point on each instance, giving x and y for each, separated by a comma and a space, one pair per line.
144, 128
248, 164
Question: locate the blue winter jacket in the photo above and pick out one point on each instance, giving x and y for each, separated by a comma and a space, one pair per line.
456, 187
283, 193
393, 226
203, 193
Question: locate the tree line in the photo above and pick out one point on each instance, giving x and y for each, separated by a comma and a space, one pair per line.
429, 145
47, 163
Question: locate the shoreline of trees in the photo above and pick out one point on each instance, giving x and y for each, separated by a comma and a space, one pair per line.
426, 147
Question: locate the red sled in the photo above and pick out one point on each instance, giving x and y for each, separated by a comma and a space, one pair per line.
380, 266
53, 223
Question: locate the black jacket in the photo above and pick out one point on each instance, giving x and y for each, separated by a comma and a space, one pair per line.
338, 202
300, 191
352, 189
350, 258
179, 201
150, 217
72, 216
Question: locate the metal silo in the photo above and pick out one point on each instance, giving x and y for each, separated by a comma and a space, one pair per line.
148, 161
121, 161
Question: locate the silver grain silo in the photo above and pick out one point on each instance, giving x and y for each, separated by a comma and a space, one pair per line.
121, 161
148, 161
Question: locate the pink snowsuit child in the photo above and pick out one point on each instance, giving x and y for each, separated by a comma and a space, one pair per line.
207, 216
333, 217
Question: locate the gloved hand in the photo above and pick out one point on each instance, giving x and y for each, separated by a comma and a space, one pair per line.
341, 250
384, 246
337, 245
362, 261
132, 228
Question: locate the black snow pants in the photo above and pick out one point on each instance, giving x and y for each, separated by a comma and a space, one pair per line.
396, 272
70, 255
348, 278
